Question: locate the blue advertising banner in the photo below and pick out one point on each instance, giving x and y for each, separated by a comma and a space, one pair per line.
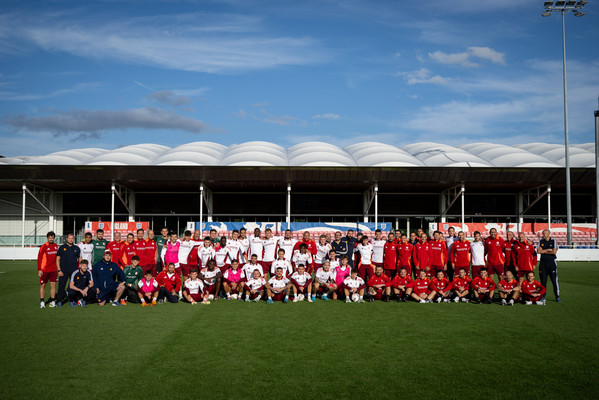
294, 226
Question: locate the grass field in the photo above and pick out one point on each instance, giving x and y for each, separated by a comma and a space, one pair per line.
332, 350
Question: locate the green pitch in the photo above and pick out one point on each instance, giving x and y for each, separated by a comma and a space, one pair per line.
332, 350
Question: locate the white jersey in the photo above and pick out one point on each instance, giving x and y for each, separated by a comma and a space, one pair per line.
255, 284
245, 245
322, 252
301, 258
210, 277
256, 247
278, 284
378, 250
87, 253
234, 249
478, 253
353, 283
301, 279
323, 276
285, 264
334, 264
194, 286
270, 249
205, 254
221, 256
184, 249
249, 268
287, 245
365, 253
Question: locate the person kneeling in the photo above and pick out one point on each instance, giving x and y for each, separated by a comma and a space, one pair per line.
509, 289
422, 287
212, 278
302, 284
532, 290
278, 287
80, 286
193, 290
105, 274
379, 285
254, 287
233, 281
440, 288
170, 284
353, 286
148, 289
483, 287
461, 286
402, 285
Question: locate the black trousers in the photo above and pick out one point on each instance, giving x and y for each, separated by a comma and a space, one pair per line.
131, 295
63, 280
76, 296
165, 294
549, 269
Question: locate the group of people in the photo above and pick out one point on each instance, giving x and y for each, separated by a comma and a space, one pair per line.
150, 270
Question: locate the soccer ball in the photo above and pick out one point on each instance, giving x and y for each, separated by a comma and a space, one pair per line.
234, 296
210, 297
300, 297
355, 297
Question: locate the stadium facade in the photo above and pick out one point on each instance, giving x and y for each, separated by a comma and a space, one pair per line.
410, 186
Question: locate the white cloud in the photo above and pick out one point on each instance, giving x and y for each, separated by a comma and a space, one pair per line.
422, 75
464, 58
327, 116
169, 97
11, 96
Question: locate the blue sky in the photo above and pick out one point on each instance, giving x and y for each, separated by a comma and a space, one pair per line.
105, 74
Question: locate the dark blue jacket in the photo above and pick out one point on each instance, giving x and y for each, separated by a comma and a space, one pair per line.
105, 272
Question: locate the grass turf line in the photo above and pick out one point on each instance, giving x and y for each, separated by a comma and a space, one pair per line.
325, 350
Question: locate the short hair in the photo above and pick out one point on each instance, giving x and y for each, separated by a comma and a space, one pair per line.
268, 230
135, 258
206, 237
187, 233
278, 268
476, 233
332, 251
70, 234
172, 233
462, 269
193, 270
287, 230
51, 233
378, 231
211, 261
169, 264
301, 265
281, 250
88, 234
235, 231
140, 230
254, 255
404, 235
323, 236
404, 268
354, 270
164, 227
343, 257
530, 272
99, 230
482, 269
212, 230
234, 261
242, 229
148, 272
364, 237
379, 266
350, 230
303, 246
84, 262
129, 234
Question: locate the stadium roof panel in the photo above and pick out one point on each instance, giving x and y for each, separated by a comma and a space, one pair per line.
321, 154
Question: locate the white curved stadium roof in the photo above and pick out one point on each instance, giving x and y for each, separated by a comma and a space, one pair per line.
321, 154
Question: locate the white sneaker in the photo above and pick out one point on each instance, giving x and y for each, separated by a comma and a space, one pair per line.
541, 303
422, 301
295, 300
456, 299
52, 304
257, 299
347, 300
528, 303
446, 300
511, 302
309, 299
503, 302
193, 303
464, 300
42, 304
439, 299
247, 299
360, 301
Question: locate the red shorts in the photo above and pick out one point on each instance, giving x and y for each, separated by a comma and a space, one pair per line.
389, 272
152, 294
248, 292
495, 269
322, 288
378, 296
210, 289
378, 265
317, 265
365, 269
279, 296
522, 273
197, 297
305, 291
223, 268
234, 291
437, 268
147, 268
50, 276
266, 266
476, 270
341, 288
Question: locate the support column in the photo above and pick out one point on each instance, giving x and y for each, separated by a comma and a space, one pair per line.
288, 219
131, 201
463, 193
549, 206
23, 215
365, 206
201, 208
209, 205
376, 205
52, 216
443, 207
520, 220
112, 189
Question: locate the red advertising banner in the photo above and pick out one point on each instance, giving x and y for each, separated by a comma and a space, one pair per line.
123, 227
525, 227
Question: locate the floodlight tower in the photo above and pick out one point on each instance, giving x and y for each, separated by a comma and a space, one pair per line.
564, 7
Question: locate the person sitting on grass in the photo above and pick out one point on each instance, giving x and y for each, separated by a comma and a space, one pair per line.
440, 288
509, 289
193, 291
302, 284
379, 285
532, 290
170, 284
212, 278
353, 287
233, 281
483, 287
402, 285
324, 281
133, 274
278, 287
80, 286
421, 288
461, 286
148, 290
342, 272
254, 287
105, 274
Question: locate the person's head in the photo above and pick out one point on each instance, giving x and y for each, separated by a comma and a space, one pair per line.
422, 274
419, 232
350, 233
530, 276
546, 234
164, 232
70, 238
436, 235
477, 236
326, 265
257, 232
344, 260
171, 268
117, 236
287, 234
391, 237
403, 272
173, 237
306, 235
423, 237
440, 275
256, 273
303, 248
193, 274
148, 275
100, 234
83, 265
242, 233
359, 236
254, 259
88, 237
323, 239
301, 269
332, 254
377, 234
510, 236
404, 238
135, 261
211, 264
337, 236
365, 240
451, 231
51, 236
327, 237
493, 233
223, 241
196, 235
281, 254
187, 235
212, 234
413, 236
508, 275
130, 238
462, 272
483, 272
140, 234
278, 272
522, 236
268, 233
378, 270
234, 264
207, 242
235, 234
107, 256
354, 273
461, 236
150, 234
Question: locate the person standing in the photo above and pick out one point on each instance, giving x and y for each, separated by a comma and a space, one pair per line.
67, 262
449, 240
160, 241
46, 269
350, 243
548, 265
339, 246
99, 246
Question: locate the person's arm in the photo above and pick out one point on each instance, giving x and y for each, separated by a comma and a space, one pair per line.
58, 265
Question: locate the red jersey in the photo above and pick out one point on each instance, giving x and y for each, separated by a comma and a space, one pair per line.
494, 251
311, 246
422, 255
460, 254
116, 251
508, 253
404, 255
150, 253
390, 255
46, 257
172, 283
399, 281
378, 280
509, 285
193, 259
480, 283
525, 256
532, 287
461, 283
422, 286
129, 250
438, 253
440, 285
